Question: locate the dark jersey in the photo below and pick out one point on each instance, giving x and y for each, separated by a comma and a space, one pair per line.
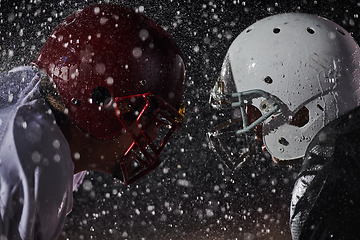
326, 196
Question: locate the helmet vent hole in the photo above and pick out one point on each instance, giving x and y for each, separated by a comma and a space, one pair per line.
268, 80
101, 96
310, 30
249, 30
276, 30
341, 32
301, 117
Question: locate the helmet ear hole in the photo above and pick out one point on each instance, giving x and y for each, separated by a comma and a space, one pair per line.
301, 117
253, 113
101, 96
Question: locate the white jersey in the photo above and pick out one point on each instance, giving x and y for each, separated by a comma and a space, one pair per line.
36, 170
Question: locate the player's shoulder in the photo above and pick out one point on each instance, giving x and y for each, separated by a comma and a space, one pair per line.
38, 137
39, 170
22, 74
14, 82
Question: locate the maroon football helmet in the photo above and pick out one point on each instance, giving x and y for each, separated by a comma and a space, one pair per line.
113, 66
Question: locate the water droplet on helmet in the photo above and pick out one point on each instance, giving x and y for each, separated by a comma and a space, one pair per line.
103, 20
96, 10
144, 34
110, 81
137, 52
100, 68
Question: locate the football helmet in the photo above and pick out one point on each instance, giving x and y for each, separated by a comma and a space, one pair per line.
111, 67
296, 73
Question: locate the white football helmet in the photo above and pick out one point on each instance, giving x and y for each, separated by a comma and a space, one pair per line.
300, 71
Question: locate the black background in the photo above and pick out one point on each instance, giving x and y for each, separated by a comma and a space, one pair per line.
191, 195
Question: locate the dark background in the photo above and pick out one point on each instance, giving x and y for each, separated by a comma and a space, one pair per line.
191, 195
